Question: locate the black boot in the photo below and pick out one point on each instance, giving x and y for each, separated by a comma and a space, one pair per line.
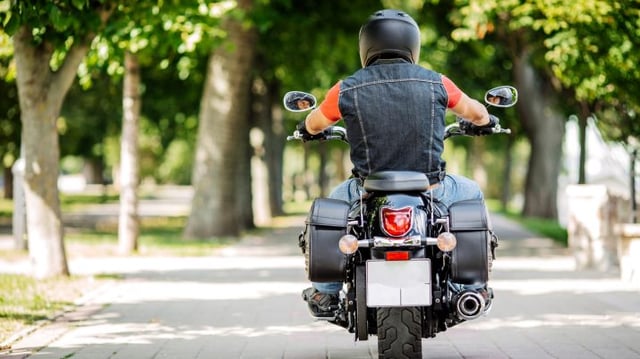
321, 305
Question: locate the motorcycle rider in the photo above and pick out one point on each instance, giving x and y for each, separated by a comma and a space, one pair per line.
394, 112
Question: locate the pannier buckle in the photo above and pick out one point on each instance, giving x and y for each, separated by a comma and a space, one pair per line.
302, 243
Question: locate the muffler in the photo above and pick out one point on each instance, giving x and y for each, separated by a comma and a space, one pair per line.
470, 305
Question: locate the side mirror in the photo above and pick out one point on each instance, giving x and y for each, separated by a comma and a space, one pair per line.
298, 101
501, 96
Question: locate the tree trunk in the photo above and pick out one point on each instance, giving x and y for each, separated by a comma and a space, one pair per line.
93, 171
274, 146
478, 170
582, 138
221, 144
323, 177
41, 94
307, 174
19, 220
243, 186
128, 224
505, 191
268, 152
258, 138
545, 129
8, 183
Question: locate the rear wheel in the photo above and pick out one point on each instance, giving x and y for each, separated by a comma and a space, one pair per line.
399, 333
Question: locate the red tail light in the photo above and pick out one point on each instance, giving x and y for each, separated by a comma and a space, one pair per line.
396, 222
397, 256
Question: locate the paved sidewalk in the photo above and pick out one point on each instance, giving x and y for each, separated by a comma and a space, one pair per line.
245, 303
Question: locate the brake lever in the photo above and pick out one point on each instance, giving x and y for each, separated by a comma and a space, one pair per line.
295, 136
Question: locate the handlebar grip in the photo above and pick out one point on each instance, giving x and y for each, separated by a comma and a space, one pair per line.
499, 129
331, 133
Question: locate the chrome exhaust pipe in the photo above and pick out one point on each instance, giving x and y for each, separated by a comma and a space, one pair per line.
470, 305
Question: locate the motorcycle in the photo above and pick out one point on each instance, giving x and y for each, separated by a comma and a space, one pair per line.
411, 268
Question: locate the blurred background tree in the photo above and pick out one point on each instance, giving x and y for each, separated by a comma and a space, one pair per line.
213, 74
568, 57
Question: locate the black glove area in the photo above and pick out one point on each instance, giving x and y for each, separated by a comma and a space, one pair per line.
473, 130
301, 127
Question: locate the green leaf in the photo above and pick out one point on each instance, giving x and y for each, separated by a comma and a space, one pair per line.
79, 4
11, 25
57, 19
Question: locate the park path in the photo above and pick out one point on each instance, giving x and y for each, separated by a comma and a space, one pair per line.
244, 302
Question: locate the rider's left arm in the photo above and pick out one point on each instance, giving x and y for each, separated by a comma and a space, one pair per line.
326, 114
316, 122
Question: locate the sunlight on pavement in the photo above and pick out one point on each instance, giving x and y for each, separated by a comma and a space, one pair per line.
547, 286
137, 333
546, 264
557, 320
257, 332
167, 292
166, 264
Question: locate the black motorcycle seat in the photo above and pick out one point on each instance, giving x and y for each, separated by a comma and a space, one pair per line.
396, 181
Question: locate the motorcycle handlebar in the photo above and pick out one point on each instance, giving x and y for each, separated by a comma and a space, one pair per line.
340, 133
331, 133
455, 130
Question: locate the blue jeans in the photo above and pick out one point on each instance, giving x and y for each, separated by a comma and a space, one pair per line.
452, 189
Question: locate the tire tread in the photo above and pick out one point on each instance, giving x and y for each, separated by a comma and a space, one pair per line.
399, 333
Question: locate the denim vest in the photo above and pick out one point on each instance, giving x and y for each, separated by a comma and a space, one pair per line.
394, 113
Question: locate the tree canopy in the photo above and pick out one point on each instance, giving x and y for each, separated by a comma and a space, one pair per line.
569, 57
589, 47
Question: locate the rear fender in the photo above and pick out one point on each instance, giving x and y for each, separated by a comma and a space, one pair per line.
396, 200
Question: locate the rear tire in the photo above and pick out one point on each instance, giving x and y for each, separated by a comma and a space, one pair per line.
399, 333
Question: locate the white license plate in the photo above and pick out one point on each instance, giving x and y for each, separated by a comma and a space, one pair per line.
399, 283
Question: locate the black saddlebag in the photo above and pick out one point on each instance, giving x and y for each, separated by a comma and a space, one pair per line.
469, 222
326, 223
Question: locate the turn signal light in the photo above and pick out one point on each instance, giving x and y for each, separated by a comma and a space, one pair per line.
446, 241
348, 244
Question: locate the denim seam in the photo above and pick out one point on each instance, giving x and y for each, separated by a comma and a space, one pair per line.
387, 81
364, 134
432, 124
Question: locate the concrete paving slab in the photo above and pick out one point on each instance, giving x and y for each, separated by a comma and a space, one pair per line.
245, 302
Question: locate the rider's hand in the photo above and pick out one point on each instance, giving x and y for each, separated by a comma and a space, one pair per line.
301, 127
473, 130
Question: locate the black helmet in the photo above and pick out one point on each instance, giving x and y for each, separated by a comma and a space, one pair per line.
389, 34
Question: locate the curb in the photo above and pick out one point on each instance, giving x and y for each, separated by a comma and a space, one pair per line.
32, 339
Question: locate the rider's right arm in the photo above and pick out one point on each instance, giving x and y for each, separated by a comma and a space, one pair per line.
471, 110
464, 106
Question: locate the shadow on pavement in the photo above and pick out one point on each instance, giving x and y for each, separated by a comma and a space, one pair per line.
244, 302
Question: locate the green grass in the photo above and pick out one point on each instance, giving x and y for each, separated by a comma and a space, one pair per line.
542, 226
158, 236
25, 300
161, 235
68, 202
6, 208
545, 227
294, 208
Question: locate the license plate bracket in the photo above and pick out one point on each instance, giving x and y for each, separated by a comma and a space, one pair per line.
399, 283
